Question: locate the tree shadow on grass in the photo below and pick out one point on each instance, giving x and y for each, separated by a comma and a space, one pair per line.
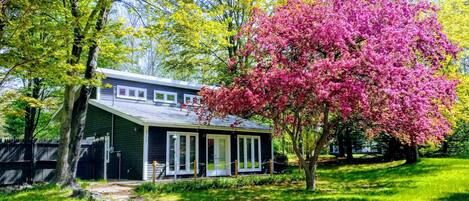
264, 194
398, 171
455, 197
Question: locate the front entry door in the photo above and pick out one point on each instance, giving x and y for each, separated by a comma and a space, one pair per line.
218, 155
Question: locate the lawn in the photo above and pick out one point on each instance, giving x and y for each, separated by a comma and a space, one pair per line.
38, 193
430, 179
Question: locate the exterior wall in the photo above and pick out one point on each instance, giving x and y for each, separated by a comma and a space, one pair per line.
98, 122
157, 147
107, 93
128, 139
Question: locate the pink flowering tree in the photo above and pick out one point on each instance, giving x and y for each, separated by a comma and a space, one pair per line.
317, 62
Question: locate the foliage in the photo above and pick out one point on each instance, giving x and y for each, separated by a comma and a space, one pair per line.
430, 179
453, 16
217, 183
458, 142
196, 38
318, 62
13, 110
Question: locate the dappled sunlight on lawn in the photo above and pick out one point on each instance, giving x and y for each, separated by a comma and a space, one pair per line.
430, 179
40, 193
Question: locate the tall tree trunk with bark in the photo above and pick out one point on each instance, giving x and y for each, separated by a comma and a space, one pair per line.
30, 116
308, 158
76, 99
348, 144
341, 145
411, 155
30, 123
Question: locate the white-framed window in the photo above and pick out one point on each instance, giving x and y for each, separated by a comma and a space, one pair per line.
182, 148
131, 92
190, 99
165, 96
249, 153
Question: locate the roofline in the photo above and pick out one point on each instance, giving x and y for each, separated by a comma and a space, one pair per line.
172, 125
150, 79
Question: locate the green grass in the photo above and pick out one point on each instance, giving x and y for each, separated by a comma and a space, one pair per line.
431, 179
38, 193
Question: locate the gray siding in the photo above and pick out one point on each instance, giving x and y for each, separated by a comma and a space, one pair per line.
128, 139
98, 122
107, 93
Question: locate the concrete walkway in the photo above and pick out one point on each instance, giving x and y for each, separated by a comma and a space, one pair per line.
115, 190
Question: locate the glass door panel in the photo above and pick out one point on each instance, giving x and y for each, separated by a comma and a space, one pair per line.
218, 159
222, 163
211, 154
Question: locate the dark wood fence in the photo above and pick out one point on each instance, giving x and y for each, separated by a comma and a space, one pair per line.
34, 161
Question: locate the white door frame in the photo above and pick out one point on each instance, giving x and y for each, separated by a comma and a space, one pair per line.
227, 153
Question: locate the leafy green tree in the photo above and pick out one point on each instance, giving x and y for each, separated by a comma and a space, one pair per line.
454, 15
198, 38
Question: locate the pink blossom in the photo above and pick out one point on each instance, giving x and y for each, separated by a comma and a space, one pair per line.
376, 59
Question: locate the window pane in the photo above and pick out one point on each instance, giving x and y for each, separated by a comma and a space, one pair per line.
159, 96
141, 94
187, 100
222, 157
249, 152
131, 92
182, 153
192, 152
172, 151
256, 153
241, 153
121, 91
211, 152
170, 97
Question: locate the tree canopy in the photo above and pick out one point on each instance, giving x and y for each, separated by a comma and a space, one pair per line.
317, 61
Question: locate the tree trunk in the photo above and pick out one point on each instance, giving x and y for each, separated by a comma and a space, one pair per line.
348, 144
63, 176
411, 156
30, 123
75, 107
62, 173
444, 148
30, 117
341, 145
310, 175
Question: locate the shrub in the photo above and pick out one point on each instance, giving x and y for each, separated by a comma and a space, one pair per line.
217, 183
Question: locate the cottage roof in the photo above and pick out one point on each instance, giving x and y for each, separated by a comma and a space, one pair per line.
164, 116
109, 73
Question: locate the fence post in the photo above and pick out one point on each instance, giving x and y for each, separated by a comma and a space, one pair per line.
195, 169
154, 172
270, 167
236, 168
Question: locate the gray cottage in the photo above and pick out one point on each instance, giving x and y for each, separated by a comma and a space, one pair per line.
143, 122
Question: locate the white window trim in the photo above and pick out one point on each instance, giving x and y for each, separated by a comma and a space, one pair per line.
192, 96
252, 169
127, 88
176, 155
165, 96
